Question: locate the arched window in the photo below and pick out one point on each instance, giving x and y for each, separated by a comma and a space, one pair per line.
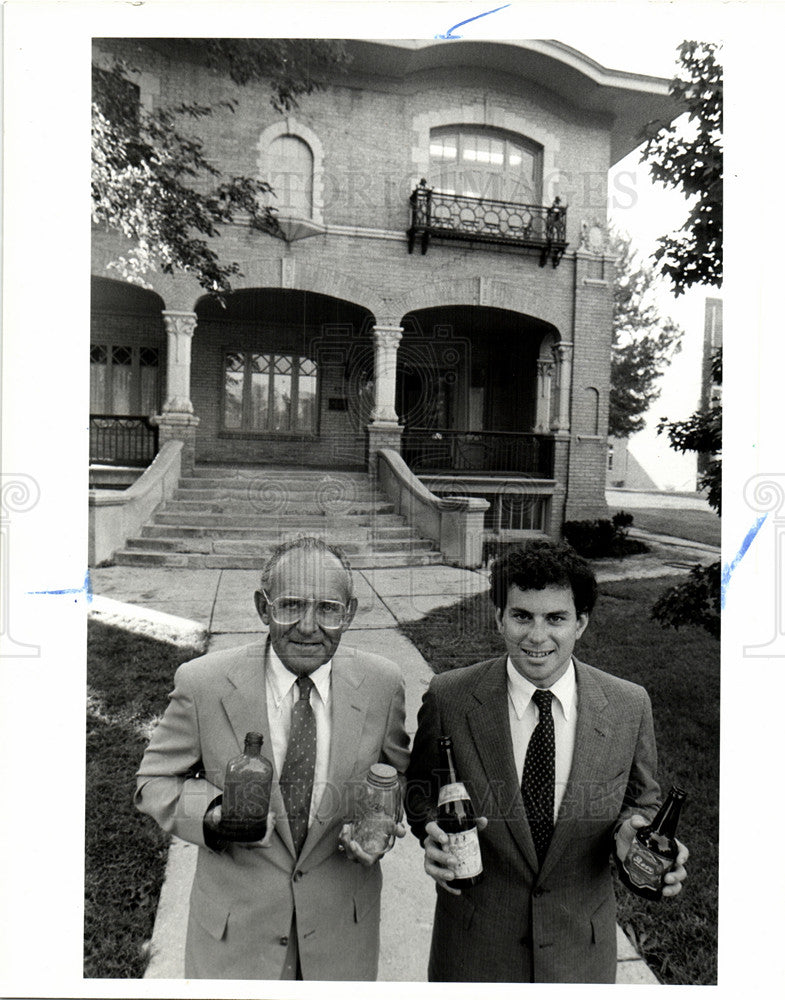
485, 163
291, 175
591, 410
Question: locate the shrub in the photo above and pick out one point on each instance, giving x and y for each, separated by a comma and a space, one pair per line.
622, 520
694, 602
603, 538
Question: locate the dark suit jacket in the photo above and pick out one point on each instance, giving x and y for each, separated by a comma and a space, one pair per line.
520, 924
242, 900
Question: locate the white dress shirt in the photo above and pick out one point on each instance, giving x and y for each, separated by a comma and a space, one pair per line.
281, 696
524, 715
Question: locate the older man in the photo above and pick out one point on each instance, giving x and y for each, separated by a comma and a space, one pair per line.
292, 906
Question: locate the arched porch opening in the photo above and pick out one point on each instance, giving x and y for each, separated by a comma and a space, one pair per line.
469, 387
478, 388
127, 372
282, 377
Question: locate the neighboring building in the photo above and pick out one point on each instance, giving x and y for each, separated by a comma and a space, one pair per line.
624, 471
711, 393
442, 287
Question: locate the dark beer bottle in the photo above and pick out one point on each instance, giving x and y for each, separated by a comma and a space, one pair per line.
246, 793
653, 850
455, 816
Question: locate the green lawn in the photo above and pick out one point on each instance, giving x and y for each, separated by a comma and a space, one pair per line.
680, 670
128, 677
696, 525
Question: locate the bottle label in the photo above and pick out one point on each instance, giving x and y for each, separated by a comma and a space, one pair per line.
465, 847
452, 793
645, 868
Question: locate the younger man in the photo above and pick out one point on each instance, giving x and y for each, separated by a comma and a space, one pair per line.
560, 758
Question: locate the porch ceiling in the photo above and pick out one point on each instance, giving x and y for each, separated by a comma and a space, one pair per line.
287, 305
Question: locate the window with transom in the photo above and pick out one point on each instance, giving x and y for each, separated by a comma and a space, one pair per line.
269, 393
485, 163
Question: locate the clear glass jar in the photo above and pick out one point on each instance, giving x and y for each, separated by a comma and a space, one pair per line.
378, 809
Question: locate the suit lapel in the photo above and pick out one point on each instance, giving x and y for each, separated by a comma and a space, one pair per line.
348, 708
489, 723
245, 705
591, 738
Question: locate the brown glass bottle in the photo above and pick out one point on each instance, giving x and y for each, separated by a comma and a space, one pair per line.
653, 850
246, 792
455, 815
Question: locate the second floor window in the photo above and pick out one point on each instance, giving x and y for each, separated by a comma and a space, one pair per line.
273, 393
291, 169
485, 163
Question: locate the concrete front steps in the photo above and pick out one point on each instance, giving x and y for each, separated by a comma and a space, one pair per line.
232, 518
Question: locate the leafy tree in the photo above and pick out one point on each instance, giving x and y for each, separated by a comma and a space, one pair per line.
702, 432
697, 600
154, 183
689, 158
643, 340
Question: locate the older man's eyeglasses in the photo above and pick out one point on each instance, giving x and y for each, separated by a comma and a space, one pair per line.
287, 609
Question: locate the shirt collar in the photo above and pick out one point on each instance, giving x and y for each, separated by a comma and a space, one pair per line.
282, 680
521, 690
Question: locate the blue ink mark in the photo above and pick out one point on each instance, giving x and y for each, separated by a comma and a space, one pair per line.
85, 589
460, 24
728, 568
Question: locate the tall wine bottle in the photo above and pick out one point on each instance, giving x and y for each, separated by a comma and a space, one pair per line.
653, 851
455, 815
246, 792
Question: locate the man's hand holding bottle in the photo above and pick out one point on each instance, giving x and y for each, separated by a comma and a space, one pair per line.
441, 863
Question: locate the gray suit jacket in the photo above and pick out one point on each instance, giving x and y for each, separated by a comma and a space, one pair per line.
242, 900
522, 924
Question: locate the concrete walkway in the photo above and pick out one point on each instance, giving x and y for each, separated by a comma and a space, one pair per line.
219, 604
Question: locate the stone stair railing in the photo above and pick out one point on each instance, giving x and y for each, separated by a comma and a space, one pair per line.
115, 515
454, 524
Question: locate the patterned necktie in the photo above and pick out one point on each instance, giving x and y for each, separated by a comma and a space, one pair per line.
298, 768
539, 771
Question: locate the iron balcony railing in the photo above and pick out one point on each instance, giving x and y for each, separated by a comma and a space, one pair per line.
123, 440
430, 450
487, 220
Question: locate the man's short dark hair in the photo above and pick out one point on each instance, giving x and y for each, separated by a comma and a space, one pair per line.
542, 563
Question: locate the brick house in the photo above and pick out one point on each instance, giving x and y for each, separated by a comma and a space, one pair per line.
440, 286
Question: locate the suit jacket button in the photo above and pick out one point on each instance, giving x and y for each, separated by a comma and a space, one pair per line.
297, 876
284, 940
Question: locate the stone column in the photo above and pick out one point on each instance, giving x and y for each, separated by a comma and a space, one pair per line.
180, 328
563, 355
544, 385
384, 431
177, 422
385, 343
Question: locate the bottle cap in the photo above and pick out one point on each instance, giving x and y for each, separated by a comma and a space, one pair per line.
382, 775
254, 740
